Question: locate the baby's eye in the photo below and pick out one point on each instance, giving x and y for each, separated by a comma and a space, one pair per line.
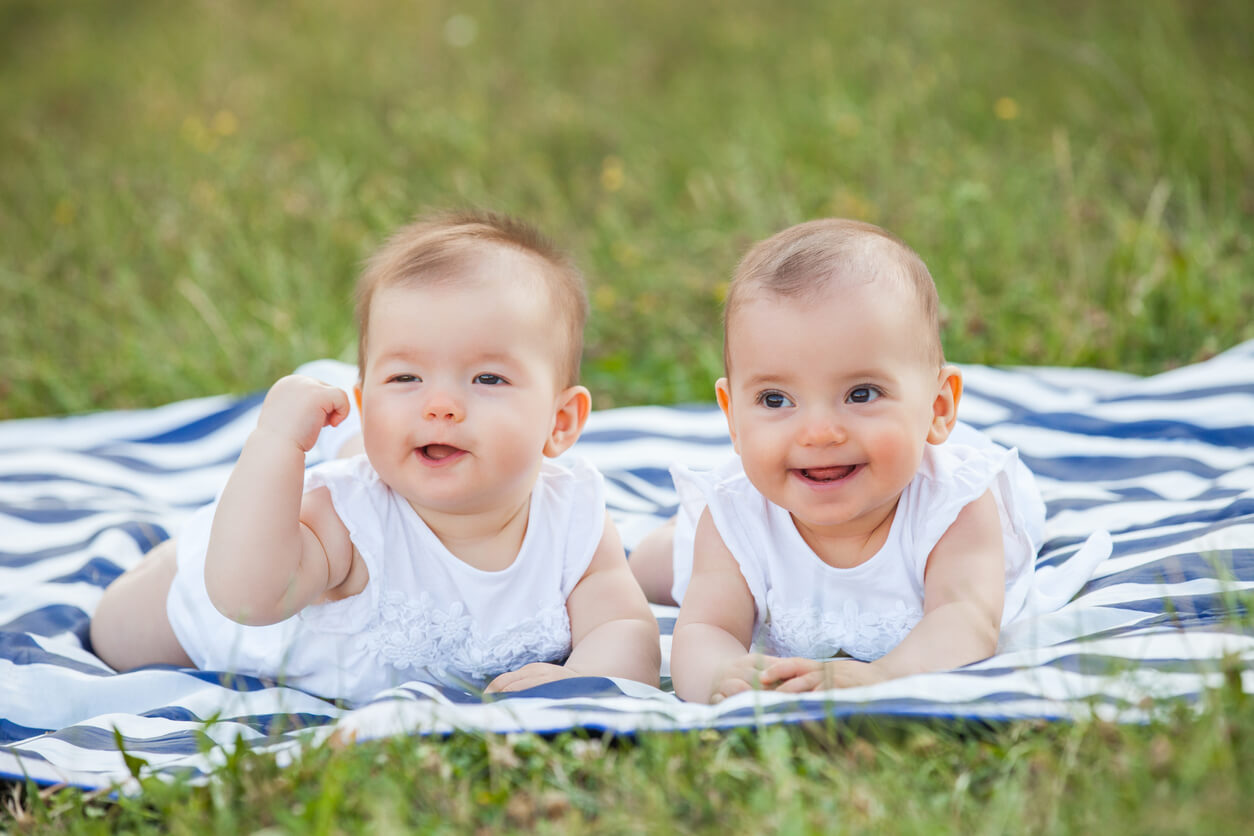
864, 394
404, 378
489, 379
774, 400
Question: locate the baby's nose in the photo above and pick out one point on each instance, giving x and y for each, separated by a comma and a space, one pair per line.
442, 406
822, 430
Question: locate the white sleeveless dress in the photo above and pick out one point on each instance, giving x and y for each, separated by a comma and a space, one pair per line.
804, 607
424, 614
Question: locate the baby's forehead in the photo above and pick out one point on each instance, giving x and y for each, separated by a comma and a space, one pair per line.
492, 306
839, 283
899, 316
492, 261
487, 268
487, 291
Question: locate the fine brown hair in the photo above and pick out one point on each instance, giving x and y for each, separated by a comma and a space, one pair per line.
801, 261
434, 249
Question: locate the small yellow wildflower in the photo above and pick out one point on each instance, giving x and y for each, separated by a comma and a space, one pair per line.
197, 135
1006, 108
224, 123
625, 254
604, 298
847, 203
848, 125
612, 174
64, 212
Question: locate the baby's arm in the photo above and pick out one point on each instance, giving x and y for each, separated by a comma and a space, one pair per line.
613, 631
963, 595
272, 550
710, 657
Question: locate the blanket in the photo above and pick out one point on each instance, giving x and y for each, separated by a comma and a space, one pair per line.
1165, 463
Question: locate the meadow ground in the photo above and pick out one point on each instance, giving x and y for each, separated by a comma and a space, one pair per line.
187, 190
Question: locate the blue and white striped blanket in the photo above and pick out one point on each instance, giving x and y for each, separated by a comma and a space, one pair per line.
1165, 463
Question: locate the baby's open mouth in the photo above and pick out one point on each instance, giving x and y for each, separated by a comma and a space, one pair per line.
436, 452
828, 474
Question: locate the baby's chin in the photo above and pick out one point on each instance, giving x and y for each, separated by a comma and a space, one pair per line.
430, 501
841, 522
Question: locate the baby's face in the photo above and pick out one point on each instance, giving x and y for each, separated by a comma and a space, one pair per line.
460, 388
830, 402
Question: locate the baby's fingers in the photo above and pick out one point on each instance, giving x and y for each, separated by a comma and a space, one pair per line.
508, 681
728, 688
331, 400
812, 681
528, 676
518, 684
500, 683
339, 407
782, 670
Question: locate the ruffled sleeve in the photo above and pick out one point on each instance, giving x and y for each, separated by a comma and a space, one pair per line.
574, 500
950, 477
732, 501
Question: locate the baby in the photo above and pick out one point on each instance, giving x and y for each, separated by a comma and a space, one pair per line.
451, 551
845, 525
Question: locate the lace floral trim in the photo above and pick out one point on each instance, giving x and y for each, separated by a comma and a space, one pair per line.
817, 633
410, 634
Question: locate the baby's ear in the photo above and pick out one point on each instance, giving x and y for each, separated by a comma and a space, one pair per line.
573, 406
945, 406
722, 392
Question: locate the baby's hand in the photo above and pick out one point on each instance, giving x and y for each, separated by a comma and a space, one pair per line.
529, 676
298, 407
743, 673
796, 674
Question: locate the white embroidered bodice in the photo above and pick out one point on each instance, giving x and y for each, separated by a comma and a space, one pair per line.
419, 634
804, 607
850, 629
424, 614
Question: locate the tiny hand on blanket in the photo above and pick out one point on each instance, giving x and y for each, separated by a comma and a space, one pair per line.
529, 676
744, 673
796, 674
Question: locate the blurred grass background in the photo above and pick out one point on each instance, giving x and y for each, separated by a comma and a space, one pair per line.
187, 189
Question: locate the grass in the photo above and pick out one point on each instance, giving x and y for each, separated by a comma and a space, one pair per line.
1185, 773
188, 189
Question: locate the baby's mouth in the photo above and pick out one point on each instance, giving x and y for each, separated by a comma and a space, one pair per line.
438, 452
827, 474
